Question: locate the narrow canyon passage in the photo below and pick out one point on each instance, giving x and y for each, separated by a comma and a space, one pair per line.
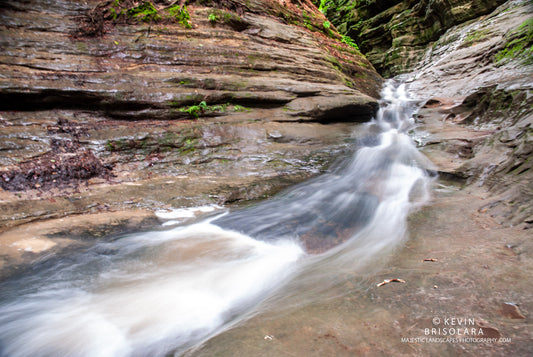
165, 291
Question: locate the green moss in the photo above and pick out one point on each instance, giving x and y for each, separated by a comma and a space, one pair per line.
127, 145
392, 55
348, 83
81, 47
228, 18
121, 11
110, 145
350, 50
180, 14
334, 61
145, 12
202, 108
240, 108
474, 37
185, 141
518, 46
189, 145
168, 139
307, 20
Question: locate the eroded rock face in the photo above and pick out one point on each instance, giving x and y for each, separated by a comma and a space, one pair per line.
479, 121
103, 111
262, 69
394, 34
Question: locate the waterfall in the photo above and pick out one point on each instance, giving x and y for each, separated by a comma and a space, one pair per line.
163, 292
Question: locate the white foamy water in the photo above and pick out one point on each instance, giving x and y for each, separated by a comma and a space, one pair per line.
179, 215
160, 291
163, 292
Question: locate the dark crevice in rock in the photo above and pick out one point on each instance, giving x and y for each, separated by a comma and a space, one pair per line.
65, 99
356, 114
75, 109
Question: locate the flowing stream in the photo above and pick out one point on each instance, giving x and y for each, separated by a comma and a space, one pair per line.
164, 292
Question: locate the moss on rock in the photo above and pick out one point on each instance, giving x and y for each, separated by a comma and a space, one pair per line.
519, 45
384, 28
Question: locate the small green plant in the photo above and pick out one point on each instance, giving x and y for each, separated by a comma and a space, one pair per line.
113, 13
113, 10
181, 15
212, 17
323, 8
327, 29
193, 110
218, 108
110, 146
348, 40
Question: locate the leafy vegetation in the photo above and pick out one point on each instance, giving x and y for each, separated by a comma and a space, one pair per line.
125, 11
181, 15
323, 7
212, 17
348, 40
145, 12
202, 108
193, 110
327, 29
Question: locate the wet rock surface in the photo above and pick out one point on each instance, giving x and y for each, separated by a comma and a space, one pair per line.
459, 267
104, 113
477, 127
469, 250
394, 34
467, 258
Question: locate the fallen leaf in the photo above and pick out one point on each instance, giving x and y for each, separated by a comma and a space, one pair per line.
431, 260
386, 281
511, 311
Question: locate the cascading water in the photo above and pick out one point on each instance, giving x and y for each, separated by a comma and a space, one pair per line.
164, 292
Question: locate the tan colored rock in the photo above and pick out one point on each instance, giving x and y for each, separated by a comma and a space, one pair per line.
169, 116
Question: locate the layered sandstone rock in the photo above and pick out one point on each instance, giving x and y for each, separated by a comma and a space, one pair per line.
170, 96
102, 109
479, 118
394, 34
